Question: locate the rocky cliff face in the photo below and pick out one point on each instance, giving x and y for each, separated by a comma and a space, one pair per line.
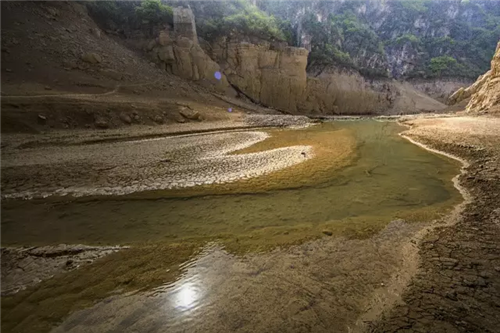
485, 92
276, 76
424, 39
272, 77
179, 52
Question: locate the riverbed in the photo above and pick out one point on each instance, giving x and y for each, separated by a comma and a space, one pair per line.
335, 215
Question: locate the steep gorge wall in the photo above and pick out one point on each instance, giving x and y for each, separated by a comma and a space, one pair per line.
179, 53
276, 75
484, 94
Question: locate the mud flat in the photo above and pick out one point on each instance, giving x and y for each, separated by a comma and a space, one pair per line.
25, 267
457, 287
151, 164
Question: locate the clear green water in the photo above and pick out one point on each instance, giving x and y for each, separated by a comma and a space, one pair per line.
389, 178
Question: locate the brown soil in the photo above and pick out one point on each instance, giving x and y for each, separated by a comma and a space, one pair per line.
457, 287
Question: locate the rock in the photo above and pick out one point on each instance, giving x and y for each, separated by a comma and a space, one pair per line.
42, 117
164, 38
166, 54
158, 119
485, 92
101, 123
150, 46
112, 74
184, 24
48, 88
327, 232
91, 58
96, 32
180, 119
190, 114
125, 118
8, 70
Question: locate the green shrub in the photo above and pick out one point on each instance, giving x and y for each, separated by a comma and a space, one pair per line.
442, 64
154, 13
226, 18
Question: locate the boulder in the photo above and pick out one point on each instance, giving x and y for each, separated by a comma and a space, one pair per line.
101, 123
158, 119
91, 58
125, 118
112, 74
180, 119
190, 114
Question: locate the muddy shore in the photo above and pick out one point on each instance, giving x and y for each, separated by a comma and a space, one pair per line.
457, 287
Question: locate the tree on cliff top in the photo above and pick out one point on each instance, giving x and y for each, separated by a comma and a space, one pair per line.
153, 13
224, 18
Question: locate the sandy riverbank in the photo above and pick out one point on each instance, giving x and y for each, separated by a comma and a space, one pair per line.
118, 162
457, 286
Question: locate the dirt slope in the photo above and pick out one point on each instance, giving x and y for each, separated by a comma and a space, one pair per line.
60, 71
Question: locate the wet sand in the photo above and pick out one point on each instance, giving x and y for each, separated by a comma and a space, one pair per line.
457, 287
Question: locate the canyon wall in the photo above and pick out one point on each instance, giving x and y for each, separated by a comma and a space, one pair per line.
178, 52
276, 75
485, 92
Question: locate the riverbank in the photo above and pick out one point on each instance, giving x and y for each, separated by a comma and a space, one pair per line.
457, 287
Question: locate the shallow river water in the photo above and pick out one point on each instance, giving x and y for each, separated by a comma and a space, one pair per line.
388, 178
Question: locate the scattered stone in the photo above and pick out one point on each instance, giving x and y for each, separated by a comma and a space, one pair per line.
96, 32
112, 74
91, 58
327, 232
125, 118
180, 119
190, 114
101, 123
158, 119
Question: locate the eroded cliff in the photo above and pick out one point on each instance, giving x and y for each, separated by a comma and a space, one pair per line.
484, 94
